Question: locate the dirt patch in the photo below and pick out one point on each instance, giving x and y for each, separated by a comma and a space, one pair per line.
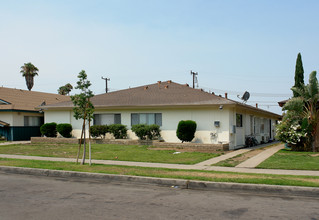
314, 155
234, 161
246, 156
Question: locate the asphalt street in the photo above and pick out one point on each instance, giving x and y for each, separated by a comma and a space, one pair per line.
36, 197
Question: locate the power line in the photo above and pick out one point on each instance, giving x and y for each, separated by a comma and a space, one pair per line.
257, 94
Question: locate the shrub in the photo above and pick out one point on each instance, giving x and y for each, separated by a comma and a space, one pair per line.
49, 129
99, 130
119, 131
65, 130
144, 131
186, 130
140, 130
154, 132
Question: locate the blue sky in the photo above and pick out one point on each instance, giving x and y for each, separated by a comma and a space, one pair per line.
234, 45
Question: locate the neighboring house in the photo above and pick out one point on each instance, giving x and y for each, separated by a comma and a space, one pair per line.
282, 103
19, 118
219, 120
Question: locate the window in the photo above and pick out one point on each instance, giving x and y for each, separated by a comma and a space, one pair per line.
106, 119
33, 121
239, 120
146, 118
256, 125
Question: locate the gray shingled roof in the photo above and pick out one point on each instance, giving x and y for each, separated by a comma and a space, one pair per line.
19, 99
159, 94
156, 95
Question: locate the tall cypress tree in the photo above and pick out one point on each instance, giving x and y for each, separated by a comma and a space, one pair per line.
299, 78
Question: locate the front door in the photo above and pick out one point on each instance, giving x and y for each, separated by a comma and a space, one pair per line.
240, 137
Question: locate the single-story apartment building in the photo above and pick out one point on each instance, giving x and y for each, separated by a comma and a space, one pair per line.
219, 119
19, 118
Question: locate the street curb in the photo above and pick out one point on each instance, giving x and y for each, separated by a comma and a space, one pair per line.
178, 183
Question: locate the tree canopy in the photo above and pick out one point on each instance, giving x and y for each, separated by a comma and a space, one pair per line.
65, 90
299, 124
83, 108
299, 74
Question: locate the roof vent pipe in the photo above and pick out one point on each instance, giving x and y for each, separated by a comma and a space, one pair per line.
166, 87
169, 81
256, 105
146, 87
159, 82
226, 95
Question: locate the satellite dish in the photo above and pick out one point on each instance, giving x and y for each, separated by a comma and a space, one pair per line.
245, 97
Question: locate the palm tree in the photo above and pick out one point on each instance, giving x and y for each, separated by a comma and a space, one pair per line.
28, 71
65, 90
307, 106
68, 88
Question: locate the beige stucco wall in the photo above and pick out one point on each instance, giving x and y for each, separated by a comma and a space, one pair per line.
170, 117
6, 117
204, 117
16, 118
263, 119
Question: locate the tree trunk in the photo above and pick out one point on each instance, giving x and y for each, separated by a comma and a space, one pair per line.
78, 155
316, 139
29, 81
89, 141
84, 147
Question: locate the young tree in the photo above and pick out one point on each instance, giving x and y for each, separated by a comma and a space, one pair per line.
83, 109
29, 71
299, 75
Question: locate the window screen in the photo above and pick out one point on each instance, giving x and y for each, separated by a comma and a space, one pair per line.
146, 118
107, 119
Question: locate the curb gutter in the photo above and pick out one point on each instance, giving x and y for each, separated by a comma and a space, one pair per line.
181, 183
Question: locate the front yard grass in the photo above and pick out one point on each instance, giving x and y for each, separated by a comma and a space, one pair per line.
309, 181
291, 160
109, 152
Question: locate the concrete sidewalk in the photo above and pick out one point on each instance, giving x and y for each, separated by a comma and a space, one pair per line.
15, 142
259, 158
173, 166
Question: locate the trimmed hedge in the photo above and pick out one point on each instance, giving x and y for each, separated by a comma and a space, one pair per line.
65, 130
119, 131
186, 130
49, 129
144, 131
99, 130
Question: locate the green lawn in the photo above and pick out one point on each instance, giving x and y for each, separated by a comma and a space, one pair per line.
109, 152
290, 160
309, 181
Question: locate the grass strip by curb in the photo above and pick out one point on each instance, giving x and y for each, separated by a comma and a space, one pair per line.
134, 153
215, 176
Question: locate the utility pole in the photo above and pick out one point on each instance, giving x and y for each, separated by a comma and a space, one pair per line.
106, 79
194, 77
